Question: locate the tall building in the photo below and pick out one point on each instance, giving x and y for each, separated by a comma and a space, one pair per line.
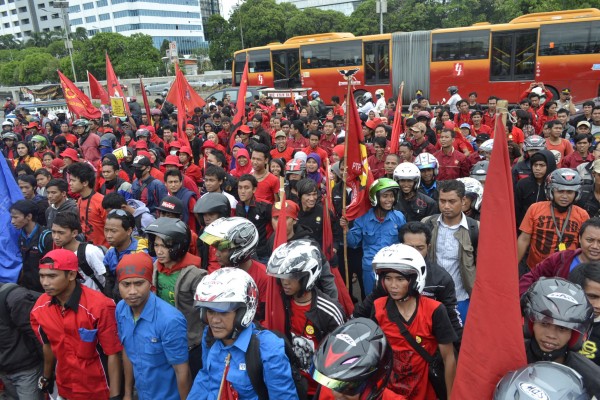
173, 20
208, 8
21, 18
343, 6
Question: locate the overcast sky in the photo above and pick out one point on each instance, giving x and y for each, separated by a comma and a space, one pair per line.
228, 6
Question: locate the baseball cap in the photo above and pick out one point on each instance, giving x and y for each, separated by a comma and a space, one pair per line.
136, 265
70, 153
280, 134
245, 129
566, 91
32, 125
373, 123
60, 259
141, 145
584, 123
415, 128
171, 204
423, 114
291, 209
465, 125
141, 161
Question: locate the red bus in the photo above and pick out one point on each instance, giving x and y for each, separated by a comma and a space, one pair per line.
560, 49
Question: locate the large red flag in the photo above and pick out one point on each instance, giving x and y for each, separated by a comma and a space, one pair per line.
274, 309
146, 102
240, 106
77, 102
96, 90
398, 126
181, 89
179, 103
114, 87
359, 176
494, 325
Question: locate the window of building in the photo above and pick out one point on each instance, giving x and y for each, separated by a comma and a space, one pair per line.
101, 3
55, 16
104, 17
5, 13
76, 21
13, 12
25, 21
16, 23
90, 19
74, 9
46, 30
27, 33
469, 45
92, 32
41, 5
22, 9
44, 18
570, 38
88, 6
58, 28
1, 2
336, 54
7, 25
18, 34
11, 1
109, 29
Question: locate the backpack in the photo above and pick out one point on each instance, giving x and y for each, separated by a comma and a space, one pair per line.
254, 366
4, 292
42, 240
85, 267
322, 109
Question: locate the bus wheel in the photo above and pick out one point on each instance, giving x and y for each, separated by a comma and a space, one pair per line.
358, 96
555, 95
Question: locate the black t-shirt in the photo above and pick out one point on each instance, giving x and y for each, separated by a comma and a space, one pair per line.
590, 346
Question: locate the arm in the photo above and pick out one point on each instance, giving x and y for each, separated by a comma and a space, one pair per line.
522, 245
184, 379
129, 380
365, 308
447, 352
115, 368
49, 361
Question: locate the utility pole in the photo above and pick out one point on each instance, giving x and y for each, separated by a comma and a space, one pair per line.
381, 8
64, 6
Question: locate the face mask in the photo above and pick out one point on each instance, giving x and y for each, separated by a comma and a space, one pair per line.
173, 152
138, 173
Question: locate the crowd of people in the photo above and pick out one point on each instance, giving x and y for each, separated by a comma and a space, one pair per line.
149, 251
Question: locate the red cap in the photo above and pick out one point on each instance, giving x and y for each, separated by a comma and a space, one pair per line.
190, 126
186, 149
172, 160
373, 123
292, 209
245, 129
143, 153
141, 145
449, 125
33, 125
208, 144
136, 265
339, 150
175, 144
60, 259
70, 153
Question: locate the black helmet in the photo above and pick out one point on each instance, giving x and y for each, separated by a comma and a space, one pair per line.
236, 234
143, 132
541, 380
559, 302
174, 232
534, 142
355, 358
171, 204
563, 179
212, 203
83, 122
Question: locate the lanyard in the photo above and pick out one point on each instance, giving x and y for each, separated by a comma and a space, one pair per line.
564, 227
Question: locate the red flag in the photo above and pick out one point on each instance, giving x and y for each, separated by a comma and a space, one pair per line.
240, 105
274, 309
495, 297
359, 176
77, 102
181, 88
226, 391
398, 126
96, 90
178, 102
146, 102
114, 87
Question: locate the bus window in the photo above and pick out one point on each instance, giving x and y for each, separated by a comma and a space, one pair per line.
469, 45
513, 55
335, 54
377, 62
238, 67
570, 38
260, 61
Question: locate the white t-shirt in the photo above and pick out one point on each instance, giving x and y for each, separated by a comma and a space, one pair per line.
95, 259
452, 102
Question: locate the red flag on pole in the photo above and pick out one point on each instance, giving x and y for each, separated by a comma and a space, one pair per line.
240, 106
359, 176
494, 325
178, 102
96, 90
146, 102
114, 87
274, 309
398, 126
181, 88
77, 102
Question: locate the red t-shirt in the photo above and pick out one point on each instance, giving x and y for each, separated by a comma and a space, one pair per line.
286, 154
304, 341
92, 217
560, 151
267, 188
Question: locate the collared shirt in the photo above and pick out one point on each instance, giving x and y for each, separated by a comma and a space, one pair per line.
73, 331
154, 343
448, 253
112, 256
276, 367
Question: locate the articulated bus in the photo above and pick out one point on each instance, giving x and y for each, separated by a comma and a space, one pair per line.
560, 49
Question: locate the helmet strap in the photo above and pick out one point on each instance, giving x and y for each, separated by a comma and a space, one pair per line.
560, 209
544, 356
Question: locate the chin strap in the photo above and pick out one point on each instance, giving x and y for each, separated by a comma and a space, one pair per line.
542, 355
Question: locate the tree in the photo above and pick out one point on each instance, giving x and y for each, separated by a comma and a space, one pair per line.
38, 68
9, 42
80, 34
312, 21
219, 49
164, 46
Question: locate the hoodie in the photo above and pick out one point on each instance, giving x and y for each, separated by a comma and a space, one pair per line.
528, 191
142, 214
69, 205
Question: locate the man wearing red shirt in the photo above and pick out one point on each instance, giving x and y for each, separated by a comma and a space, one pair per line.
328, 139
281, 149
268, 184
452, 164
377, 160
478, 127
489, 117
189, 168
71, 321
314, 137
298, 141
464, 115
419, 142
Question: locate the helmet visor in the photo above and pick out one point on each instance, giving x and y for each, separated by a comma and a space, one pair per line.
544, 319
220, 307
347, 388
216, 241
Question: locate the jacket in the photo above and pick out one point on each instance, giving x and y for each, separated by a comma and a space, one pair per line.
19, 348
417, 208
31, 255
69, 205
259, 213
585, 172
156, 191
373, 235
468, 251
185, 290
325, 314
557, 264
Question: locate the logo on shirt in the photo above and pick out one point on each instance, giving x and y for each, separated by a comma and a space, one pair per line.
242, 366
533, 391
562, 296
310, 330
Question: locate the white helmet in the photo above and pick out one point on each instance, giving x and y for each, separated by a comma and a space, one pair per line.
7, 122
404, 260
408, 170
427, 161
379, 92
299, 259
228, 289
367, 96
479, 170
487, 146
236, 234
473, 188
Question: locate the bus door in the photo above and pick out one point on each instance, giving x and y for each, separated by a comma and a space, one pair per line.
286, 69
377, 62
513, 55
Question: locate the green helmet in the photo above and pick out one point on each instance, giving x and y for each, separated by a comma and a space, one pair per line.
382, 185
83, 122
39, 138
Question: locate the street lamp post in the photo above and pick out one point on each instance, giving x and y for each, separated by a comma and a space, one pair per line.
64, 6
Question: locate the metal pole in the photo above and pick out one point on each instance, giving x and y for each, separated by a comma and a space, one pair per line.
69, 44
381, 18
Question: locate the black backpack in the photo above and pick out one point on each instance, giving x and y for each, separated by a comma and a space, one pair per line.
85, 267
322, 109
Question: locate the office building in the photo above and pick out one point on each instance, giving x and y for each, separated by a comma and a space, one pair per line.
21, 18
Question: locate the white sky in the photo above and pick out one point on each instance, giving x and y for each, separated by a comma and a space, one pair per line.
228, 6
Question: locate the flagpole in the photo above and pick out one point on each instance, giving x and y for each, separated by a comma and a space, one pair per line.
345, 177
224, 375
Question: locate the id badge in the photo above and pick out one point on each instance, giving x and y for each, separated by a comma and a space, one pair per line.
561, 246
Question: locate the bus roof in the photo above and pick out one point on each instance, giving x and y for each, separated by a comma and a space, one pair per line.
319, 37
557, 15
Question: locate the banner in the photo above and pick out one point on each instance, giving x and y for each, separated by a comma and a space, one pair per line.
114, 87
118, 106
77, 102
